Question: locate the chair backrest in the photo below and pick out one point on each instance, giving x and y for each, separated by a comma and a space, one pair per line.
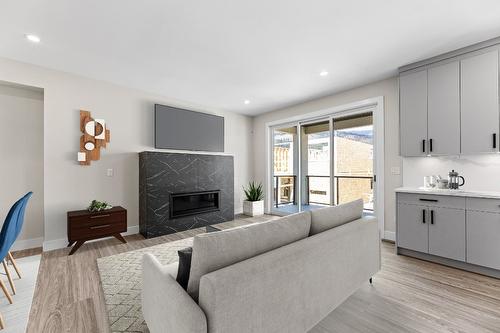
12, 225
20, 218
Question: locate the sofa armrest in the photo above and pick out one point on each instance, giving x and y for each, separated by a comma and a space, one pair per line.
166, 306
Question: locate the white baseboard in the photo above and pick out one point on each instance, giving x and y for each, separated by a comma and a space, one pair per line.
54, 244
23, 244
389, 235
63, 242
131, 230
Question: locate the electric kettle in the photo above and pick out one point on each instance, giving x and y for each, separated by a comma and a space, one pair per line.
453, 180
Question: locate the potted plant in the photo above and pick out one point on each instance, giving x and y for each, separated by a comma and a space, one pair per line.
98, 206
254, 203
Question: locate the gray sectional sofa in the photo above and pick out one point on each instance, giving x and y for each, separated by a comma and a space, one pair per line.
283, 275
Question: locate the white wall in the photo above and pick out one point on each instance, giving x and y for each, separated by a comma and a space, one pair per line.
21, 148
129, 115
386, 88
481, 172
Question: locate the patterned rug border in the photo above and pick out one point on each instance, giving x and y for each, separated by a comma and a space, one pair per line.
120, 276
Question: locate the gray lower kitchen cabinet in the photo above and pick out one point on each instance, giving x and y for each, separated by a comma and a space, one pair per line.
483, 239
460, 230
447, 233
479, 103
413, 227
435, 230
413, 113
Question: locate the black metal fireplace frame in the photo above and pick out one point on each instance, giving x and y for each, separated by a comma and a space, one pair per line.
194, 211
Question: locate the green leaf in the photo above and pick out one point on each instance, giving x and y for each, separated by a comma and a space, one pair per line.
254, 192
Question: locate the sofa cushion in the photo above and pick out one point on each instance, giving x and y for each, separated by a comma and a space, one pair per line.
326, 218
184, 266
214, 251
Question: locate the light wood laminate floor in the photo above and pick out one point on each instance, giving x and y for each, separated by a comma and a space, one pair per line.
407, 295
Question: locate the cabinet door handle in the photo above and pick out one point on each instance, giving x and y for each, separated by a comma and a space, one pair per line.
432, 217
100, 216
423, 146
100, 226
423, 216
428, 200
430, 145
494, 140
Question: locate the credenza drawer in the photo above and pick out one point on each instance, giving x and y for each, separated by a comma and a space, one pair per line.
97, 231
432, 200
483, 205
91, 220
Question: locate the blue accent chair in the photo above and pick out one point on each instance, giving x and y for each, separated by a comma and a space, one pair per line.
10, 230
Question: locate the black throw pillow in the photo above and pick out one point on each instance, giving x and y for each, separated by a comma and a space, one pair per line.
184, 266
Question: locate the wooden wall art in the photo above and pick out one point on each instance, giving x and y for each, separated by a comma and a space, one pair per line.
95, 136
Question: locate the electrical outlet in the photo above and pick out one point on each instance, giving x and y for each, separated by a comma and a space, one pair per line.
396, 170
109, 173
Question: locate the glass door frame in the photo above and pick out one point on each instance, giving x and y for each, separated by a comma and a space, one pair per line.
376, 107
297, 194
330, 130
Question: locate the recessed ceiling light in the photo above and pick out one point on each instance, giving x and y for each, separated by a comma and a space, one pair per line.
246, 101
323, 73
33, 38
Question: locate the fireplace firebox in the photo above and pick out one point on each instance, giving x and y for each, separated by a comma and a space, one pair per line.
194, 203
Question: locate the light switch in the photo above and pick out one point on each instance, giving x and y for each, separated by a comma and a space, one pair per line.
109, 173
396, 170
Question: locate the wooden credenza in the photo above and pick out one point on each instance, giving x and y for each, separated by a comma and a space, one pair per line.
84, 225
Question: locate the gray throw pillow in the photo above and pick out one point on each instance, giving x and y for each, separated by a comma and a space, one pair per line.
217, 250
326, 218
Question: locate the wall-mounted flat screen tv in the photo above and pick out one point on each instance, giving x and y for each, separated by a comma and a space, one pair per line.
182, 129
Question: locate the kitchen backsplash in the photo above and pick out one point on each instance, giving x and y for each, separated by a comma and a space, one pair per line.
481, 172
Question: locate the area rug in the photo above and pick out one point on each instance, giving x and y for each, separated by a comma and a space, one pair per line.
16, 315
121, 283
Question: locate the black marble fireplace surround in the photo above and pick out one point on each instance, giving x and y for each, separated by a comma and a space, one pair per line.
188, 180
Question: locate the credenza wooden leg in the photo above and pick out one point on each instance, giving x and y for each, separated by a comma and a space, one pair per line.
76, 247
120, 238
70, 243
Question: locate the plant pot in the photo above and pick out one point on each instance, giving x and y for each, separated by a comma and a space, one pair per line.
253, 208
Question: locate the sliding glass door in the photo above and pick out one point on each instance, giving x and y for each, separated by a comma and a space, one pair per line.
315, 164
285, 169
324, 162
353, 159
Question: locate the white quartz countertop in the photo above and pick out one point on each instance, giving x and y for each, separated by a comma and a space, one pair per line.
454, 193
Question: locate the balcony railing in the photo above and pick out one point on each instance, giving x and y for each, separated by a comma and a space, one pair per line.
285, 190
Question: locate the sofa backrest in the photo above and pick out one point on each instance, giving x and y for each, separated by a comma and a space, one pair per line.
330, 217
292, 288
213, 251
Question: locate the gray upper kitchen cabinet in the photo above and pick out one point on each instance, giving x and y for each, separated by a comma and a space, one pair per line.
447, 233
479, 103
413, 113
483, 235
413, 227
444, 109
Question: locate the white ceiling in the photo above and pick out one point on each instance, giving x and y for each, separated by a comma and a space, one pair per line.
215, 54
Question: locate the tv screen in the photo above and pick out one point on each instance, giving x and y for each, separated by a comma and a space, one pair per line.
188, 130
